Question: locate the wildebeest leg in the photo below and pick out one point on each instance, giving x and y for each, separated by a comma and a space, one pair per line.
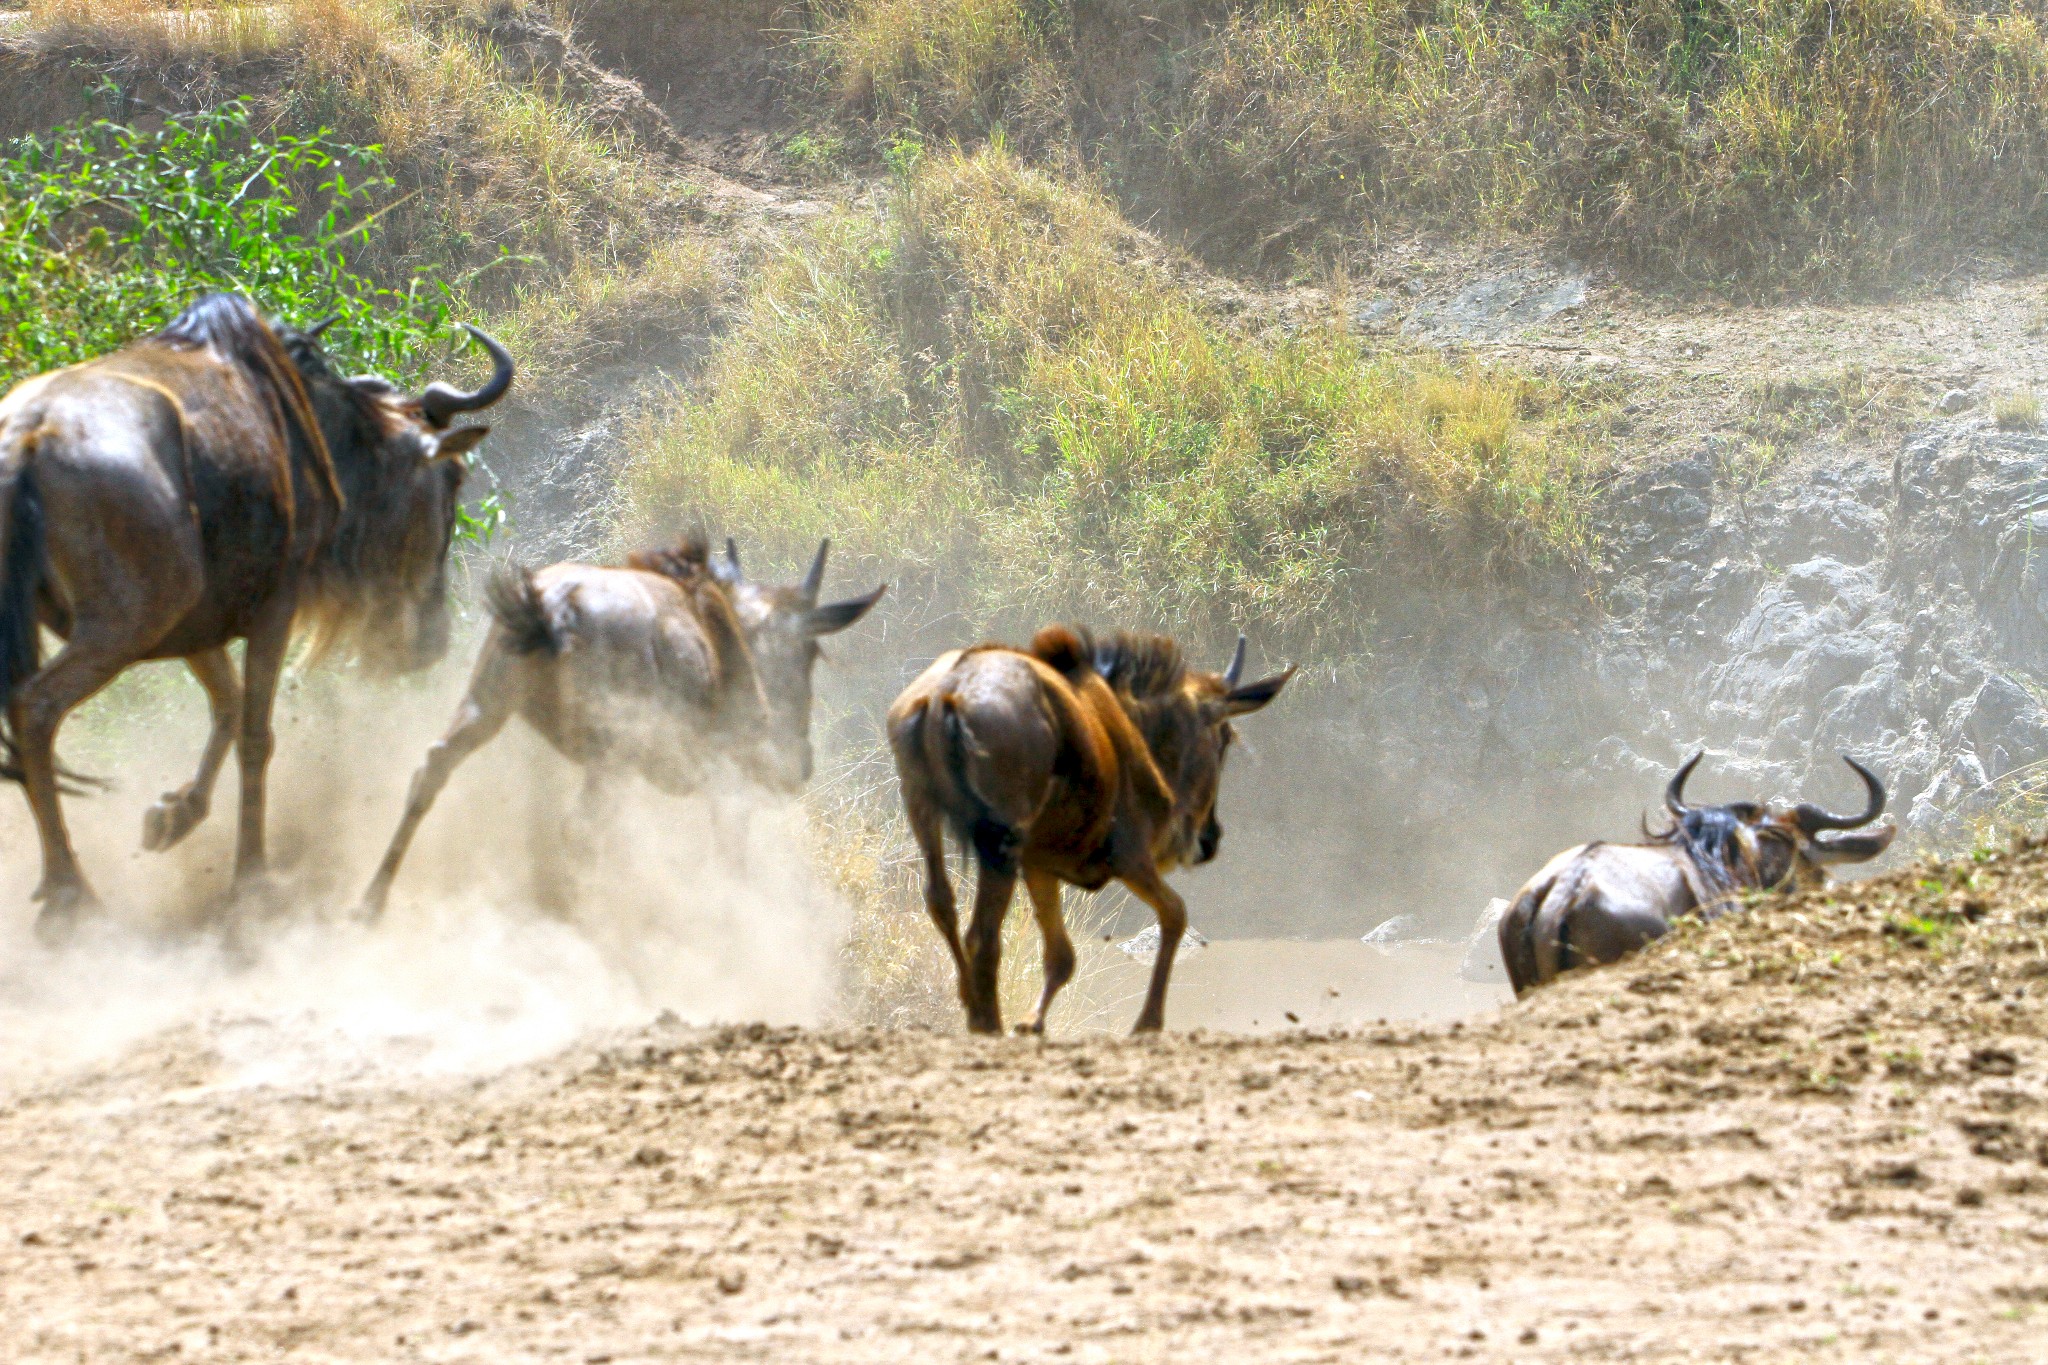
573, 843
262, 662
175, 813
732, 823
486, 707
928, 829
1148, 886
992, 890
85, 665
1044, 889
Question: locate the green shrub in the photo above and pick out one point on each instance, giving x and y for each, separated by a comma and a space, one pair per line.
998, 382
106, 231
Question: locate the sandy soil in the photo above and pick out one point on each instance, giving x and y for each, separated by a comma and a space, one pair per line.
1822, 1132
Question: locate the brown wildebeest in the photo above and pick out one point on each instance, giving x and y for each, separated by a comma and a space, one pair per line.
1599, 902
212, 482
656, 667
1079, 761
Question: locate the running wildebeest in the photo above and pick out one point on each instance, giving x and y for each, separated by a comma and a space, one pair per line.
655, 667
1599, 902
212, 482
1078, 761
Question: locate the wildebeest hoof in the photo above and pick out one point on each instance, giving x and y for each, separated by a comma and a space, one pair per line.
1030, 1028
63, 907
170, 819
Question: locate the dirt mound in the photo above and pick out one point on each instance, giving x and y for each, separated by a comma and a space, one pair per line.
1821, 1127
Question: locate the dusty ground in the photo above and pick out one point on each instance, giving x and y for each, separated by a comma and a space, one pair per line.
1822, 1133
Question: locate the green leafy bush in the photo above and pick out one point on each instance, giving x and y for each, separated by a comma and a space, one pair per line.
107, 230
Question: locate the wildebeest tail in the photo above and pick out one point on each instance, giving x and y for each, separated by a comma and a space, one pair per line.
994, 839
21, 575
514, 602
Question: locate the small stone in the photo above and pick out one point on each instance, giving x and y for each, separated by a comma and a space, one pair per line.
1956, 400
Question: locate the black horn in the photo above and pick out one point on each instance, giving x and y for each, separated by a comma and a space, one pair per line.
1674, 794
317, 328
1235, 673
1813, 819
814, 580
442, 402
729, 571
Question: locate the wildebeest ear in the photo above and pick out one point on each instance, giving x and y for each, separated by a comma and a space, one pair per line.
837, 616
1242, 701
459, 442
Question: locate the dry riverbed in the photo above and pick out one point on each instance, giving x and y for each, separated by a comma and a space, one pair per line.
1823, 1133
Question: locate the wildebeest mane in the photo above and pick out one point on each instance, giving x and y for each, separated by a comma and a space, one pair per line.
1141, 665
688, 559
1711, 839
230, 325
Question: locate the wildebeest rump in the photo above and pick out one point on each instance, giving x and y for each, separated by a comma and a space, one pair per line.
1598, 902
211, 482
657, 668
1080, 761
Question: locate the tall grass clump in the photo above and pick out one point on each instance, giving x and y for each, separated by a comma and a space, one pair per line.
1750, 145
107, 230
998, 382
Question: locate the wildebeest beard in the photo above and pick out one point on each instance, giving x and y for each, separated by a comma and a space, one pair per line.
380, 557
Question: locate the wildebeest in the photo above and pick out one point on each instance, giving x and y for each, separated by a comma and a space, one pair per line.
214, 481
1598, 902
1078, 761
658, 667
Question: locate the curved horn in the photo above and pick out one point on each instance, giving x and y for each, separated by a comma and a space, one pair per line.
1674, 794
1813, 819
317, 328
815, 578
441, 402
727, 570
1235, 673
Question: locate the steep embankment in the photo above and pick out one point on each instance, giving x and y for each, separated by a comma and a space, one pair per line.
1819, 1128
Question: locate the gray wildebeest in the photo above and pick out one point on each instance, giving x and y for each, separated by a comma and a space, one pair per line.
1078, 761
657, 667
1599, 902
211, 482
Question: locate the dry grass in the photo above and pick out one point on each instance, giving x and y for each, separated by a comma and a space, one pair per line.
1749, 146
2017, 411
998, 385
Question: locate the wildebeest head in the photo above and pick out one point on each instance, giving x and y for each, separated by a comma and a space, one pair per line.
400, 463
783, 626
1744, 846
1184, 714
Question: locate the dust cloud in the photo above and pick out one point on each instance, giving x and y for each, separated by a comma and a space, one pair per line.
522, 921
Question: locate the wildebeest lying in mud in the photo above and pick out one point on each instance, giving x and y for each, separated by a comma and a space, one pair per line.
212, 482
1078, 761
1599, 902
658, 668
